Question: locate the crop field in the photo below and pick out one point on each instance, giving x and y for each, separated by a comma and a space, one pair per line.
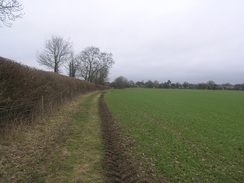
184, 135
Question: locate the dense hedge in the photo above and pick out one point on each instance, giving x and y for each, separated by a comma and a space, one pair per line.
27, 93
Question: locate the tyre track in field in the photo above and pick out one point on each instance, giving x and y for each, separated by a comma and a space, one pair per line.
118, 163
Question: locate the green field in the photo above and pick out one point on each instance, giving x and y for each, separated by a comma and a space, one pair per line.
184, 135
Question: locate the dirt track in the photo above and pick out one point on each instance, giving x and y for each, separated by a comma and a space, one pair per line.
120, 166
38, 154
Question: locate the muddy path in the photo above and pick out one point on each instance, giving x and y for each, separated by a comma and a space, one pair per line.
119, 164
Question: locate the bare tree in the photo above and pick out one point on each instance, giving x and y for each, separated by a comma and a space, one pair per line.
185, 85
10, 11
94, 65
212, 85
120, 82
56, 52
149, 84
73, 65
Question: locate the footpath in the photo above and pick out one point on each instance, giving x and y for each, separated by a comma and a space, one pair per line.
80, 143
68, 147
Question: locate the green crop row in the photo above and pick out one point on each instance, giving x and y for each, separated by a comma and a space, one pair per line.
184, 135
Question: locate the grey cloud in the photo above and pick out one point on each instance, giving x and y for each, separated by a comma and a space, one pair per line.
190, 40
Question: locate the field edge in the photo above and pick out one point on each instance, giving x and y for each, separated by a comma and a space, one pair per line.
122, 163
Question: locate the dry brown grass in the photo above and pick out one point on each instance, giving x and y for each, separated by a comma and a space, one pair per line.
66, 148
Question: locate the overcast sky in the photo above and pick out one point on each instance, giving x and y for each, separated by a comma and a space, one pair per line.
178, 40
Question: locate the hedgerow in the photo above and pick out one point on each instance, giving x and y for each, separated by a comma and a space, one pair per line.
28, 94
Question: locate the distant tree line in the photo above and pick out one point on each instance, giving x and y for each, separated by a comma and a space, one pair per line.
122, 82
90, 64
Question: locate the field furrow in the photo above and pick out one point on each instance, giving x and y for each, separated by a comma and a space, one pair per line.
120, 164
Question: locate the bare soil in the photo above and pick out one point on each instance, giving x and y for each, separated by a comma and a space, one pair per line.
120, 164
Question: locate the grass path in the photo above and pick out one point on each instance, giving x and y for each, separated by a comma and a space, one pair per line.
66, 148
80, 159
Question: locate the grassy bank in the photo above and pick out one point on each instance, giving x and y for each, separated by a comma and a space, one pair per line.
66, 148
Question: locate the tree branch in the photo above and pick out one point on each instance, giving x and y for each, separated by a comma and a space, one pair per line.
9, 11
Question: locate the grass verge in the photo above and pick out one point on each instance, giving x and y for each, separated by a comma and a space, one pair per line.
79, 160
66, 148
